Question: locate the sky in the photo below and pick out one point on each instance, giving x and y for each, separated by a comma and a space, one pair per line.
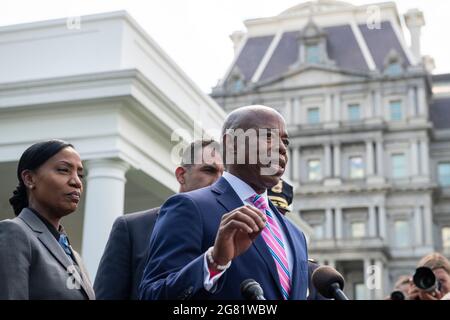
195, 33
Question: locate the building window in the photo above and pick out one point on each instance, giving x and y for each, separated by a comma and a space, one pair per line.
394, 69
238, 85
446, 237
398, 162
356, 168
395, 109
401, 233
313, 116
358, 229
318, 231
314, 170
312, 52
354, 112
444, 174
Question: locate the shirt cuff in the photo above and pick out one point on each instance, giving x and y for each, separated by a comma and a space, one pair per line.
210, 283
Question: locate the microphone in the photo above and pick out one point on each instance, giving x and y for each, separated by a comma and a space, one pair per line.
329, 283
251, 290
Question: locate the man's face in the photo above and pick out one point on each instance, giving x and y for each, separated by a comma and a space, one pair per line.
272, 141
201, 175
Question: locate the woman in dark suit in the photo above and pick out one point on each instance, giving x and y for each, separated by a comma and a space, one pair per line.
36, 259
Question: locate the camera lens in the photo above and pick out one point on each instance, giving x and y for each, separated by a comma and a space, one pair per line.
425, 279
397, 295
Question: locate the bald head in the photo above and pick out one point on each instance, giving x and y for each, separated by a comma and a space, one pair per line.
253, 116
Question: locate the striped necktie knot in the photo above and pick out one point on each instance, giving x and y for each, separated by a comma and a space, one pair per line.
259, 202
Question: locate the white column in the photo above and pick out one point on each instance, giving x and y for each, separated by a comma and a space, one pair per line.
379, 280
425, 157
367, 280
369, 106
105, 196
412, 102
337, 160
422, 101
414, 157
428, 225
288, 111
328, 223
296, 111
328, 108
380, 158
418, 226
327, 152
382, 221
369, 158
372, 222
338, 222
295, 163
379, 112
336, 107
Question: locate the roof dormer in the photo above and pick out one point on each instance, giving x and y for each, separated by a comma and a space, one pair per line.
393, 64
312, 42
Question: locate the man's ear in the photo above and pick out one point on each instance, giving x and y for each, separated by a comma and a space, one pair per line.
179, 174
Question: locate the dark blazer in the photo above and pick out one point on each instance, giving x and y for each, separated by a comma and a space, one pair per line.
187, 227
34, 266
120, 271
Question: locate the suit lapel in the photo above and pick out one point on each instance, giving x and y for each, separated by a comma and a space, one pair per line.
85, 282
45, 236
226, 195
48, 240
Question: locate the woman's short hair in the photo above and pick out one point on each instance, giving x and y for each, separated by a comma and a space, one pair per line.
34, 157
435, 261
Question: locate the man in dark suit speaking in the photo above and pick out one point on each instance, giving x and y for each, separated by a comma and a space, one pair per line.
208, 241
122, 264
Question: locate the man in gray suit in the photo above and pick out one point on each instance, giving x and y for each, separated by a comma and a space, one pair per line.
122, 264
54, 276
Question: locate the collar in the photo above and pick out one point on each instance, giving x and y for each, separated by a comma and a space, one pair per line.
242, 189
50, 227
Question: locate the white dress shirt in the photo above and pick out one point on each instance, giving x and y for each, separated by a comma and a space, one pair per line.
244, 191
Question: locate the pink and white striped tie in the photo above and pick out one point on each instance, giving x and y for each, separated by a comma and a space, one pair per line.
274, 240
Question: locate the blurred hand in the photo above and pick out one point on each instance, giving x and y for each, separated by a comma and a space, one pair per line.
435, 295
418, 294
413, 293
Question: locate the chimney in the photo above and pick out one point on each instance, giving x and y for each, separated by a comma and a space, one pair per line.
415, 21
237, 37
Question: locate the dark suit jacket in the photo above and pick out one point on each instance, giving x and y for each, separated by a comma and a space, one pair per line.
187, 227
34, 266
122, 264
